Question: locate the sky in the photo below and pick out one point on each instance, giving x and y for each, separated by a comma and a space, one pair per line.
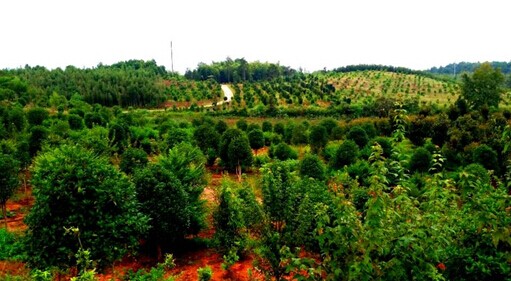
310, 35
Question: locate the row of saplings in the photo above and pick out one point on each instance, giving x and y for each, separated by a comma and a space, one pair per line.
88, 213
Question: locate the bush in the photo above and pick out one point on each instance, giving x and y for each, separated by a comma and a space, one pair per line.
11, 247
282, 151
267, 126
205, 273
345, 155
75, 188
421, 160
75, 122
312, 167
386, 145
358, 135
318, 138
486, 156
132, 159
36, 116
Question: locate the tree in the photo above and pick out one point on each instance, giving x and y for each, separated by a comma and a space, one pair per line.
256, 139
36, 116
318, 138
8, 181
177, 180
345, 155
421, 160
74, 188
133, 159
240, 154
226, 139
299, 135
207, 139
242, 124
36, 138
75, 121
312, 167
267, 126
483, 87
167, 203
358, 135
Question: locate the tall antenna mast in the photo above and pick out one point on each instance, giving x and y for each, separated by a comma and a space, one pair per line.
171, 57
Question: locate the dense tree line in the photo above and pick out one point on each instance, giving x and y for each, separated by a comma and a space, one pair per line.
365, 67
450, 69
239, 70
131, 83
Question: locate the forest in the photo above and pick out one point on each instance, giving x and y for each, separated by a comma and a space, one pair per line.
130, 172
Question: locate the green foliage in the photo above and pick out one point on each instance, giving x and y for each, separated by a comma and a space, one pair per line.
9, 169
204, 273
75, 188
169, 192
229, 220
238, 149
318, 138
11, 247
36, 116
133, 159
483, 87
486, 156
311, 166
282, 152
207, 139
421, 160
156, 273
345, 155
267, 126
75, 122
242, 124
299, 135
277, 189
256, 138
358, 135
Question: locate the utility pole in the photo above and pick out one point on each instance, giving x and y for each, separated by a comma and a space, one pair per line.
171, 58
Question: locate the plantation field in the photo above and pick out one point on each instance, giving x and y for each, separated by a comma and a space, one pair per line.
341, 175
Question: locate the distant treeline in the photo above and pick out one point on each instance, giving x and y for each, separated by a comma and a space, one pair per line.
239, 70
461, 67
377, 67
130, 83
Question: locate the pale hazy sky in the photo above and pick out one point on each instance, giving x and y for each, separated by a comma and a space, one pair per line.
310, 34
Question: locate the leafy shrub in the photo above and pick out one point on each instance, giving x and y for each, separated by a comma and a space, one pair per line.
282, 151
75, 188
358, 135
11, 247
75, 122
385, 144
486, 156
312, 167
267, 126
420, 160
205, 273
345, 155
132, 159
318, 138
